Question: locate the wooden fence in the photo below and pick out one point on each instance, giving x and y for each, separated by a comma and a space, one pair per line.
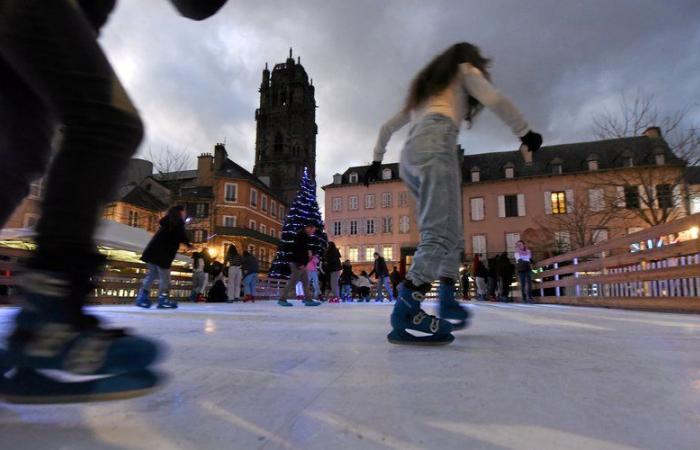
654, 269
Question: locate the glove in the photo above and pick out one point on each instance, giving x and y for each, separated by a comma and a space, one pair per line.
532, 140
372, 173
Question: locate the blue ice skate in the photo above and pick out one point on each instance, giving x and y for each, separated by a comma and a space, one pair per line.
283, 302
164, 302
143, 300
408, 315
449, 308
311, 303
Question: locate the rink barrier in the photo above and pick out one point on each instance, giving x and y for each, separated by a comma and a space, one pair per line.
656, 269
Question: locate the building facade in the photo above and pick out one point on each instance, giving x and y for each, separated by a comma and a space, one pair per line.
227, 205
286, 132
562, 197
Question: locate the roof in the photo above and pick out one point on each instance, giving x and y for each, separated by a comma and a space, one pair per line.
360, 171
573, 158
197, 192
140, 197
234, 171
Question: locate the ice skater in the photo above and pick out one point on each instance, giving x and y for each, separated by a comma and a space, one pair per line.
381, 271
234, 261
159, 255
250, 270
453, 87
299, 250
53, 72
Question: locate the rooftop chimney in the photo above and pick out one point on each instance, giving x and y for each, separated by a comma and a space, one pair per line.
205, 170
527, 154
653, 132
220, 156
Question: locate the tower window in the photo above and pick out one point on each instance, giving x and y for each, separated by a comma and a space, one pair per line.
279, 143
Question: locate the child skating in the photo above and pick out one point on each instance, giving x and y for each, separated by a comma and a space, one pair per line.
53, 72
451, 88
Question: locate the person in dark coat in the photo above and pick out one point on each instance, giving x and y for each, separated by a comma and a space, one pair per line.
506, 272
381, 271
250, 270
159, 255
395, 278
464, 281
334, 268
299, 258
346, 279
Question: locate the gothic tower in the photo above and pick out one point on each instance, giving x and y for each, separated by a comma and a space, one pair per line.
285, 141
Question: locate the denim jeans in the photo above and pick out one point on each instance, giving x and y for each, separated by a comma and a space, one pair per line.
313, 281
431, 169
525, 279
163, 276
384, 283
52, 71
250, 282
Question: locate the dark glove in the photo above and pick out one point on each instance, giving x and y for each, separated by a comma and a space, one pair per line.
372, 173
532, 140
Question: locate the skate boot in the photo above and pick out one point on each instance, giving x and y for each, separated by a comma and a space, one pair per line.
193, 296
449, 308
143, 300
52, 332
310, 302
164, 302
408, 315
283, 302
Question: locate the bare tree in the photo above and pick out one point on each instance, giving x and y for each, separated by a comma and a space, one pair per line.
168, 163
655, 193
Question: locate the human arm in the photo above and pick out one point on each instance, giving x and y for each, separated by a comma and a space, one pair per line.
387, 130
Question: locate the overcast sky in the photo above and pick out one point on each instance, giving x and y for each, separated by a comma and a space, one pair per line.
560, 61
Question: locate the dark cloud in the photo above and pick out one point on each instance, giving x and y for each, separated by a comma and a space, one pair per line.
559, 61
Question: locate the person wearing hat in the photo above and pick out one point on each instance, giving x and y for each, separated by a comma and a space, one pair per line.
298, 260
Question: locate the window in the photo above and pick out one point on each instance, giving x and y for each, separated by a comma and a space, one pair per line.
476, 175
631, 197
556, 169
403, 198
251, 249
352, 202
263, 202
200, 236
337, 228
252, 225
386, 174
694, 205
388, 252
404, 224
30, 220
201, 210
562, 240
353, 227
479, 244
263, 228
369, 253
511, 239
337, 203
558, 202
353, 254
281, 212
511, 205
263, 254
370, 226
230, 221
596, 199
660, 159
273, 208
592, 164
273, 233
386, 199
353, 178
477, 208
627, 161
369, 201
387, 225
664, 195
36, 189
510, 172
599, 235
253, 198
133, 220
231, 194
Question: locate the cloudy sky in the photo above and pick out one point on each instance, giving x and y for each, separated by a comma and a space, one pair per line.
560, 61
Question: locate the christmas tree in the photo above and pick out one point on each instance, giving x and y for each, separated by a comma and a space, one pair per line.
304, 209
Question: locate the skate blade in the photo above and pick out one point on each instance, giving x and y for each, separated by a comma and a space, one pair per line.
405, 338
22, 389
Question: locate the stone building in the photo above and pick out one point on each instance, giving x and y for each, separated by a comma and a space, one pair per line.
286, 128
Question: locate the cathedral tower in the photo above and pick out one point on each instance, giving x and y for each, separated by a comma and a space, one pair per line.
285, 140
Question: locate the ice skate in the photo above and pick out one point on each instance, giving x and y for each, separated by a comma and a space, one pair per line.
408, 315
52, 333
311, 303
283, 302
164, 302
143, 300
449, 309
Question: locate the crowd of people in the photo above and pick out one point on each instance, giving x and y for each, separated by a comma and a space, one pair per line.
494, 276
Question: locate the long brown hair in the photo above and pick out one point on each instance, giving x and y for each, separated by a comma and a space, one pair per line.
440, 72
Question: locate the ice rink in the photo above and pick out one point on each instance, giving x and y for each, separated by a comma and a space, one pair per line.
258, 376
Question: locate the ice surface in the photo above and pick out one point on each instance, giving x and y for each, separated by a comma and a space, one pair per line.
258, 376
